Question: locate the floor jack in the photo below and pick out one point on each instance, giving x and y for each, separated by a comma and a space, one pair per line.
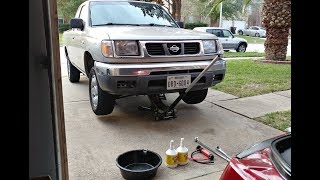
160, 110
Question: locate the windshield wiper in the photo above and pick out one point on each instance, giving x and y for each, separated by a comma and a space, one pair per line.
153, 24
106, 24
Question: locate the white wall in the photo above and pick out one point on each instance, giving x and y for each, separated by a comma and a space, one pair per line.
238, 24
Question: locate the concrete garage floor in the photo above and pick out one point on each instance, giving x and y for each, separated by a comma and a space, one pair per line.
93, 142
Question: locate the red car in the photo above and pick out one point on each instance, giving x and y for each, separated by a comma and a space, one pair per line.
270, 159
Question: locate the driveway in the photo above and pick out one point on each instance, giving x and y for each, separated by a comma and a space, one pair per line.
93, 142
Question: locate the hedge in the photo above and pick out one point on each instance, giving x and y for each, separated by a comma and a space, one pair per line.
193, 25
64, 27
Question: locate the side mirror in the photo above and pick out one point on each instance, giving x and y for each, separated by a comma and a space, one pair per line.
77, 23
181, 24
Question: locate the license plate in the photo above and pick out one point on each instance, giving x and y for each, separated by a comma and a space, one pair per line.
178, 82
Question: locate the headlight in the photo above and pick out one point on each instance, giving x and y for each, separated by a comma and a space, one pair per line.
209, 46
219, 47
126, 48
106, 48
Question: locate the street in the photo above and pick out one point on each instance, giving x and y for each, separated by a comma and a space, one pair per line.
260, 48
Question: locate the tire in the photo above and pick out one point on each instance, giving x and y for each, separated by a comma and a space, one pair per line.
73, 72
257, 35
240, 32
241, 48
102, 103
195, 97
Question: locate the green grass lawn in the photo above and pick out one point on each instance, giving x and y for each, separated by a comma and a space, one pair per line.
248, 78
252, 39
279, 120
60, 39
243, 54
247, 54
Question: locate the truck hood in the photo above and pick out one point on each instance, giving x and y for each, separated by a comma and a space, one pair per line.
149, 33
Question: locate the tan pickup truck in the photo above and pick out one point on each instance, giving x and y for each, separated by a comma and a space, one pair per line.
137, 48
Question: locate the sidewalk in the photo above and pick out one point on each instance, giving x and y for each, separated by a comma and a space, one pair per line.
254, 106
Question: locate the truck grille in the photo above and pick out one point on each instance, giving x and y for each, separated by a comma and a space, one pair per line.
159, 49
191, 48
155, 49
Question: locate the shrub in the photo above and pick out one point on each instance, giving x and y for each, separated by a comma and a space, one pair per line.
64, 27
193, 25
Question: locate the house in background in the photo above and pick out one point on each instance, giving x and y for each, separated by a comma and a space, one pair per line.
192, 14
60, 21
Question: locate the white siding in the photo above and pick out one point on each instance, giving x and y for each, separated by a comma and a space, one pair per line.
238, 24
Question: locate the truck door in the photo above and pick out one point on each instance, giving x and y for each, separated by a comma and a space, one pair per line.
82, 36
74, 48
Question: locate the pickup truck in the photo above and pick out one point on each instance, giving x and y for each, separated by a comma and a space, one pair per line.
136, 48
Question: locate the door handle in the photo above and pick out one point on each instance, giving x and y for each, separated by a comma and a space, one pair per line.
73, 37
82, 42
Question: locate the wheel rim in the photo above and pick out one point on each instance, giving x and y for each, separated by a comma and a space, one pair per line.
257, 35
242, 48
94, 91
241, 33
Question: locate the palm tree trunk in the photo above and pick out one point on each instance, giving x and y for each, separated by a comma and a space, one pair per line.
276, 17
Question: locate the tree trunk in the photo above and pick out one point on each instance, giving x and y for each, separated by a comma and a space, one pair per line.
276, 17
173, 7
213, 22
178, 10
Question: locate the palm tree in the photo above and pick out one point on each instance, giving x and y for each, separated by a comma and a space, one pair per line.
276, 17
174, 7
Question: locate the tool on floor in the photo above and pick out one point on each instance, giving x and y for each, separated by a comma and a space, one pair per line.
182, 153
162, 111
171, 156
158, 107
220, 150
205, 152
200, 150
217, 151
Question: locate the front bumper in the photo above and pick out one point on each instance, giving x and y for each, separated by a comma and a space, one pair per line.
150, 78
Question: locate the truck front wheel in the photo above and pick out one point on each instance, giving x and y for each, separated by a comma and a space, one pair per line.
102, 103
195, 97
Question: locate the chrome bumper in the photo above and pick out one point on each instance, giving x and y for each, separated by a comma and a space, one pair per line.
140, 69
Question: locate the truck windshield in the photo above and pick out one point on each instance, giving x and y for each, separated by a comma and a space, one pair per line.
129, 13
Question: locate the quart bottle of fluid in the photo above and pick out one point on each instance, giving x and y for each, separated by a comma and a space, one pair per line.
182, 153
171, 156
